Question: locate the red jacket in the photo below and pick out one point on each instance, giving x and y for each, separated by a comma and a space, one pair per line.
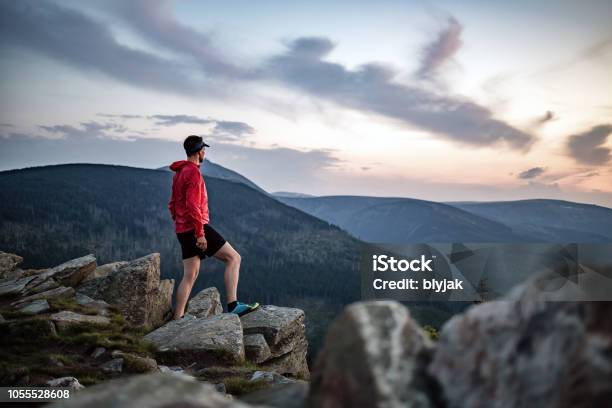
189, 202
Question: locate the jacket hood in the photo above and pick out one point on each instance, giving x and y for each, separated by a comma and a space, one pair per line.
177, 165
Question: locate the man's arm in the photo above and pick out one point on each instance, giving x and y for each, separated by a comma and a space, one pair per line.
171, 207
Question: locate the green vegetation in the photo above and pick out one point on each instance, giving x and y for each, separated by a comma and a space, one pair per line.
432, 332
240, 386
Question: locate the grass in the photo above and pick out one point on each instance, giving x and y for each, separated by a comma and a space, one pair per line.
240, 386
27, 344
432, 332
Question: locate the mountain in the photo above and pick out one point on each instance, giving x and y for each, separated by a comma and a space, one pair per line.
548, 220
211, 169
288, 194
53, 213
403, 220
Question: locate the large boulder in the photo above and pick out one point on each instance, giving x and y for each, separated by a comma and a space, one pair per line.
149, 391
282, 329
61, 292
66, 319
375, 355
203, 341
135, 288
532, 349
206, 303
70, 273
8, 262
103, 271
14, 287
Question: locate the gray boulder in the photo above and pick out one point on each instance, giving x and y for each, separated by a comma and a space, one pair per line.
291, 395
532, 349
14, 287
135, 288
103, 271
283, 331
66, 382
35, 307
374, 355
206, 303
158, 390
72, 272
66, 318
256, 348
203, 341
61, 292
8, 262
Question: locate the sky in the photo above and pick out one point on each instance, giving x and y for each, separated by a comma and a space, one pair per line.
444, 101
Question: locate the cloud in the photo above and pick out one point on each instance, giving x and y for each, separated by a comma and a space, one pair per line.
90, 129
171, 120
76, 39
154, 19
441, 49
121, 116
531, 173
547, 117
81, 41
588, 147
232, 130
370, 88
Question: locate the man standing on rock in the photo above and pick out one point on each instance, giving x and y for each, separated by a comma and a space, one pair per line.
189, 209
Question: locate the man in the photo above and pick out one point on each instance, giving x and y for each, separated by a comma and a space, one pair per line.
189, 209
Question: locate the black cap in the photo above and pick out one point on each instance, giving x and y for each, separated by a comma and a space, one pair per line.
194, 144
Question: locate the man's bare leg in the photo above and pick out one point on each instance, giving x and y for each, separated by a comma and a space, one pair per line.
231, 258
191, 268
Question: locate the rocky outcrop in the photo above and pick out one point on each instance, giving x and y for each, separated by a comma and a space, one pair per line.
8, 263
70, 273
200, 341
206, 303
136, 289
531, 349
150, 391
104, 270
282, 329
66, 319
375, 355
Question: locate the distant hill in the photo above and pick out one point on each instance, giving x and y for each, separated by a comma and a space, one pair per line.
403, 220
548, 220
289, 194
216, 170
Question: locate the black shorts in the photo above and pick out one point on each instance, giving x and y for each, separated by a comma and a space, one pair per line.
214, 242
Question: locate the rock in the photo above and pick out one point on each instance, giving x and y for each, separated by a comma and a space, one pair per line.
8, 262
215, 339
293, 395
39, 285
158, 390
256, 348
136, 364
135, 288
71, 273
173, 370
98, 352
271, 378
66, 318
66, 382
14, 287
2, 319
104, 270
283, 331
113, 366
293, 363
39, 327
375, 355
275, 323
35, 307
525, 352
206, 303
60, 292
101, 307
